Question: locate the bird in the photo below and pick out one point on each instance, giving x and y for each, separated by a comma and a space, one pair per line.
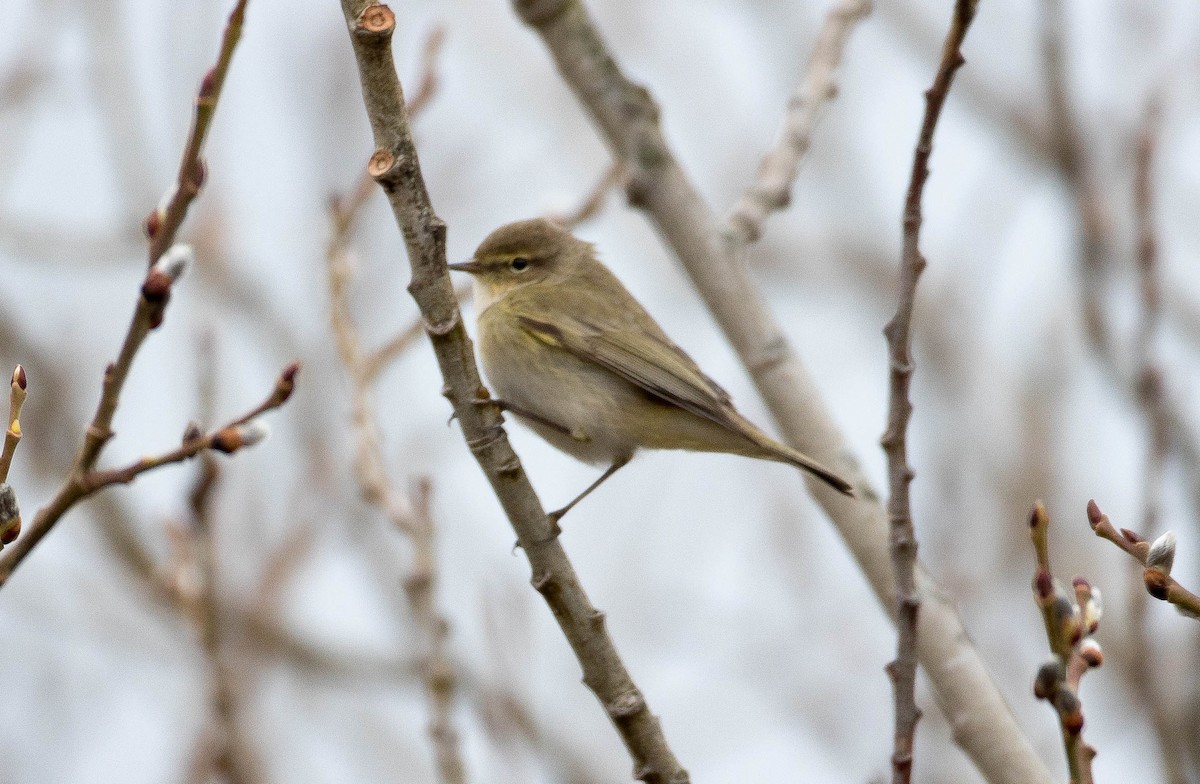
571, 353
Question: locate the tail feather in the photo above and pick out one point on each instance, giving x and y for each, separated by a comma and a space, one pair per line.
785, 454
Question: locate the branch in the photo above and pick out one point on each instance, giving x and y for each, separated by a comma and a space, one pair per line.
627, 118
1070, 623
396, 167
903, 539
778, 170
412, 517
238, 433
167, 262
164, 222
1156, 559
12, 435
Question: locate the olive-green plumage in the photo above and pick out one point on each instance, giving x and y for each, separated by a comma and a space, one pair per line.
573, 354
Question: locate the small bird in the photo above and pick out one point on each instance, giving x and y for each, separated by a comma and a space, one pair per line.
570, 352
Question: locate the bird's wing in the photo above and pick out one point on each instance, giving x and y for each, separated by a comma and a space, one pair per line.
652, 362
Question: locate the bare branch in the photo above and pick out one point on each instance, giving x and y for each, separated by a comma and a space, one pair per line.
164, 222
627, 117
241, 432
412, 516
396, 167
903, 539
778, 170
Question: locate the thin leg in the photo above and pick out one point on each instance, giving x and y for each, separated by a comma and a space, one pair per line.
506, 406
557, 515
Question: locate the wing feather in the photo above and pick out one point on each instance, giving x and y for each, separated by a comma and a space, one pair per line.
650, 362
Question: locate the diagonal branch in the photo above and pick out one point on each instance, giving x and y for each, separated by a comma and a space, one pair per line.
397, 169
627, 117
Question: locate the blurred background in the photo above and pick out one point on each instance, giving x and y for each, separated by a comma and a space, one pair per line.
731, 598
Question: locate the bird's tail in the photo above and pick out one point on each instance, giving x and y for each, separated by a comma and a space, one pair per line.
783, 453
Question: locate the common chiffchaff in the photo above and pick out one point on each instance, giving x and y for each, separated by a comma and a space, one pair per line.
571, 353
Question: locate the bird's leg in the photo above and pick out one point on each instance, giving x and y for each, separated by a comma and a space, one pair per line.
557, 514
504, 405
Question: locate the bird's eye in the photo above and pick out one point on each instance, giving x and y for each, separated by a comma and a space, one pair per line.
519, 263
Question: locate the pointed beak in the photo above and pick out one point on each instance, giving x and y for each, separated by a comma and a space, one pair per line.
471, 266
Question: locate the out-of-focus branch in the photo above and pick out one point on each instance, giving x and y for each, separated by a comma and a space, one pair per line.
594, 200
1069, 153
1070, 623
628, 119
412, 516
903, 538
1142, 657
772, 189
1157, 558
396, 167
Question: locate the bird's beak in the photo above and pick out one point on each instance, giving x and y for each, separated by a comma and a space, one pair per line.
471, 266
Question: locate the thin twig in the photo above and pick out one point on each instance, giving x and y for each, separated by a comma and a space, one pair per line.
627, 117
379, 359
164, 222
1070, 622
1156, 558
148, 315
772, 189
229, 438
17, 392
903, 539
396, 167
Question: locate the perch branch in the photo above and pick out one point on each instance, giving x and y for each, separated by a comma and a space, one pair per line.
396, 167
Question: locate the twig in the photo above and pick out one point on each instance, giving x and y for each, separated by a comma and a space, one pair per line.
396, 167
771, 191
1156, 558
164, 222
627, 117
12, 435
241, 432
903, 539
1070, 622
411, 516
378, 360
166, 264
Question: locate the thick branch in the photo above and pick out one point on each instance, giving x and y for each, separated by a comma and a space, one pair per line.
395, 166
628, 119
